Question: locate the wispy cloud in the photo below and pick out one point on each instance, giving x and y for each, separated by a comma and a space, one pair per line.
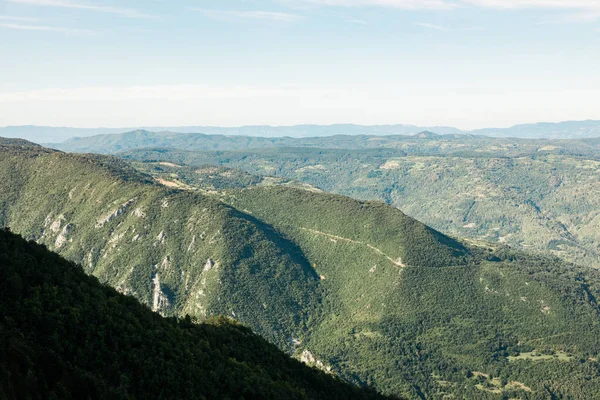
546, 4
264, 15
453, 4
431, 26
401, 4
573, 11
119, 11
26, 27
574, 17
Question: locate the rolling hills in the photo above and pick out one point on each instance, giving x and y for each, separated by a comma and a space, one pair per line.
421, 143
544, 201
356, 288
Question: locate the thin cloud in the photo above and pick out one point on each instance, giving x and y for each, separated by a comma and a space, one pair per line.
263, 15
23, 27
575, 11
580, 17
431, 26
119, 11
400, 4
547, 4
573, 5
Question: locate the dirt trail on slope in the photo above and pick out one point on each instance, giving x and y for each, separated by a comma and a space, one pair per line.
397, 262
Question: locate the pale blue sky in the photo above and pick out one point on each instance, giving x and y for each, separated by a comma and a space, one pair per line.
466, 63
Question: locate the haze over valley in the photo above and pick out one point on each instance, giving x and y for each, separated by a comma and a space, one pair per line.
561, 130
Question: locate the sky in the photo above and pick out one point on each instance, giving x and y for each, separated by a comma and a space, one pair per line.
464, 63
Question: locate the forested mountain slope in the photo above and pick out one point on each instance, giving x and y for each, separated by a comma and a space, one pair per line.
175, 251
355, 288
340, 248
544, 201
64, 335
440, 315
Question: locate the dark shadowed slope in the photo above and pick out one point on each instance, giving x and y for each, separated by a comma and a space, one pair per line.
64, 335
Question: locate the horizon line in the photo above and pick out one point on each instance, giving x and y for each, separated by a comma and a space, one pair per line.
148, 127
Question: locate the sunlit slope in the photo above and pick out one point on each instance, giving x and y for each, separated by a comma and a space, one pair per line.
178, 252
338, 218
414, 312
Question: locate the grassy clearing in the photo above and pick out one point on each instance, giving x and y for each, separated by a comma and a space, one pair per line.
496, 385
534, 356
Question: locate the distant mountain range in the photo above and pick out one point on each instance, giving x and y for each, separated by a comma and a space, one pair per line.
425, 142
561, 130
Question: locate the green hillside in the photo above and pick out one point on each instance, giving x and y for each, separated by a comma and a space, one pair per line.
64, 335
497, 290
435, 314
177, 252
544, 201
358, 289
